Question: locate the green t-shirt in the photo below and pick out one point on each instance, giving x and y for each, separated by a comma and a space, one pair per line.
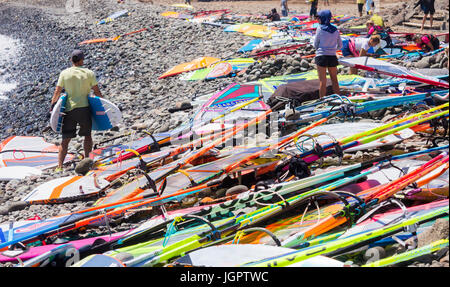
78, 83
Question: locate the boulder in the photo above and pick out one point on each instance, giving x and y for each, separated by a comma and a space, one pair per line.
84, 166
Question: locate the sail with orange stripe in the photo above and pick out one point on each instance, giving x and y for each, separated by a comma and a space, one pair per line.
198, 63
67, 188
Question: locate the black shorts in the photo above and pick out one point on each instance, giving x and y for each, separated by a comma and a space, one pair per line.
360, 7
428, 8
78, 116
326, 61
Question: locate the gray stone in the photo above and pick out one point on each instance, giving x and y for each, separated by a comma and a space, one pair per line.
443, 62
435, 66
279, 62
22, 189
423, 63
304, 64
444, 259
435, 264
303, 69
296, 63
84, 166
236, 190
289, 70
164, 127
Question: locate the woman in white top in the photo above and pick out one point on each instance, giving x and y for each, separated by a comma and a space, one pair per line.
327, 41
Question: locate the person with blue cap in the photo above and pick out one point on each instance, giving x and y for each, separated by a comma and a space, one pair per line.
327, 41
77, 83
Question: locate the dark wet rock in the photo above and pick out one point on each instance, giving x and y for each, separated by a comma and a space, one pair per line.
304, 63
13, 206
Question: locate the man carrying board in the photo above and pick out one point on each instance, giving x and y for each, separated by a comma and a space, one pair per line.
77, 83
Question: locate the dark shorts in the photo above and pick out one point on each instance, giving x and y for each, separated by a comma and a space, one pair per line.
326, 61
427, 8
79, 116
360, 7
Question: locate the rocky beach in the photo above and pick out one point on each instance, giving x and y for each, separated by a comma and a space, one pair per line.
38, 36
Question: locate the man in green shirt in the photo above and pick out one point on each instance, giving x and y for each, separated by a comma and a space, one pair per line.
77, 83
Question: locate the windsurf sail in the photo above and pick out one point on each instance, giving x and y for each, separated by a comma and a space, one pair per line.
249, 46
141, 145
240, 101
102, 40
283, 50
178, 181
226, 100
249, 29
386, 68
170, 14
201, 174
198, 63
220, 69
69, 188
30, 152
